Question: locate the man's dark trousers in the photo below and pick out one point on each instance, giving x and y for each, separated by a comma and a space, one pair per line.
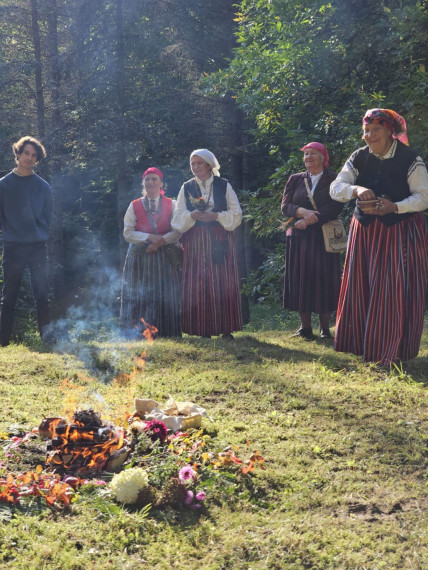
16, 256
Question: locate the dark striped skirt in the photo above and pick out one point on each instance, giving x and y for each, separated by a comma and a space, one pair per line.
211, 291
312, 276
382, 299
150, 290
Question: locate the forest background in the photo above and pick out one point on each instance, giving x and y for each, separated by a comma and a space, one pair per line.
113, 87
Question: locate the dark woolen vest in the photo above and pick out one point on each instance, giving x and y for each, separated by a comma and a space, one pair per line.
385, 177
219, 196
162, 219
219, 193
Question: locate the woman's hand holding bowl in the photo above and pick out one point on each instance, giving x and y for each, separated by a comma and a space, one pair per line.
375, 205
382, 207
363, 193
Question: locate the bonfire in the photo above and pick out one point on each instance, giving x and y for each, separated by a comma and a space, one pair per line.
85, 446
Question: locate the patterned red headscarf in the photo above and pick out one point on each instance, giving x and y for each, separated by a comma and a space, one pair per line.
320, 148
389, 119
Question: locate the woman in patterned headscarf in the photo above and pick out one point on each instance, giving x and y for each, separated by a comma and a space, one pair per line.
312, 276
151, 274
207, 213
381, 305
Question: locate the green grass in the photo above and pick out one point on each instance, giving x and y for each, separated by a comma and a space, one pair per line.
344, 443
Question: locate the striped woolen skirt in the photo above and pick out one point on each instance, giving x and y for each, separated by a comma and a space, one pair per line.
312, 276
211, 291
381, 306
150, 290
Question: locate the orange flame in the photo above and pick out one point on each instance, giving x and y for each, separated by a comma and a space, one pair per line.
74, 393
78, 447
149, 331
140, 361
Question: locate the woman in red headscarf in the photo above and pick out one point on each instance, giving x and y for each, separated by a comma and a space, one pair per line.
382, 299
312, 276
151, 274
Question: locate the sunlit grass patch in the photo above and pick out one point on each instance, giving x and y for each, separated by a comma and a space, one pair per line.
344, 448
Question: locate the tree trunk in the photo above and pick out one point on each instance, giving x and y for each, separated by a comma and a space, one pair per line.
237, 180
120, 129
234, 120
40, 103
56, 242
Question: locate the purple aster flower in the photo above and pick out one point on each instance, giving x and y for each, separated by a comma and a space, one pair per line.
201, 496
189, 497
186, 474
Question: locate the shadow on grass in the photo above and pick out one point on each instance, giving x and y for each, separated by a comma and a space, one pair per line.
251, 349
417, 369
248, 349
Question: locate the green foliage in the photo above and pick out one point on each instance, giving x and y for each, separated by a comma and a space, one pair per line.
308, 71
265, 284
119, 94
130, 85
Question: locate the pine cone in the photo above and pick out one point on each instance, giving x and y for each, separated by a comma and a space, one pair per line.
147, 496
174, 493
88, 418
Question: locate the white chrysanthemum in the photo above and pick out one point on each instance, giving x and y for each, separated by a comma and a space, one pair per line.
126, 485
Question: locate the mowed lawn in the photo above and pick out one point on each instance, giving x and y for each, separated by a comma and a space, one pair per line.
345, 449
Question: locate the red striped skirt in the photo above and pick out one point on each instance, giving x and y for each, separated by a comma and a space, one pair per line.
380, 314
211, 292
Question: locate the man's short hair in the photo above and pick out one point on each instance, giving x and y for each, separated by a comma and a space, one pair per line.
18, 147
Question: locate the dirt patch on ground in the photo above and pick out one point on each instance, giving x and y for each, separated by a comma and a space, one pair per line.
373, 512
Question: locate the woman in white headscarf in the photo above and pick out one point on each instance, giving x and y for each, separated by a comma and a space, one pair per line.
207, 213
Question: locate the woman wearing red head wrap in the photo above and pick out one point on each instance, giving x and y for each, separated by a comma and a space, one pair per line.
151, 275
312, 276
382, 299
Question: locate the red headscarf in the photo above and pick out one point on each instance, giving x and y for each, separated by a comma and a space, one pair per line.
154, 170
389, 119
320, 148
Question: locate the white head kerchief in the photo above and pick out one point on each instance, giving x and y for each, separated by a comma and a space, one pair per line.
209, 157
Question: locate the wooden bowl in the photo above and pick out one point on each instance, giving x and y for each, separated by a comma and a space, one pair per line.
366, 205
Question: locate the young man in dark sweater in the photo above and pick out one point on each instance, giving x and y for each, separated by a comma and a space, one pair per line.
25, 217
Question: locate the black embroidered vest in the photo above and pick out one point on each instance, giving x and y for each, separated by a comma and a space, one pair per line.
385, 177
219, 193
